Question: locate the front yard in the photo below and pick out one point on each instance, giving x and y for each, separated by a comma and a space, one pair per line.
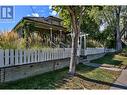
86, 78
112, 59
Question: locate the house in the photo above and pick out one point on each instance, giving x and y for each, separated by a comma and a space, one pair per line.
50, 29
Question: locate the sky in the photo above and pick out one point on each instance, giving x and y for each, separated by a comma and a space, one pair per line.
24, 11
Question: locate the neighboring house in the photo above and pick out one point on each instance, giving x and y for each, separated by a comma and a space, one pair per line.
50, 29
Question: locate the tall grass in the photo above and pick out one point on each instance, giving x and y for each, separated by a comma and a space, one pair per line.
8, 40
11, 40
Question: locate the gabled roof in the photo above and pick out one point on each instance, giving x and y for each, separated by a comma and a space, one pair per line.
40, 20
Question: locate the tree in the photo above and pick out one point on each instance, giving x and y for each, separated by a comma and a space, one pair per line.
118, 38
113, 16
74, 14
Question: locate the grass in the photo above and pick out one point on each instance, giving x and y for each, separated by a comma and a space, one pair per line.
86, 77
112, 59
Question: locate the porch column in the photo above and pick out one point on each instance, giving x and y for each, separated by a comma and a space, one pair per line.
79, 44
50, 36
84, 42
26, 31
60, 35
82, 45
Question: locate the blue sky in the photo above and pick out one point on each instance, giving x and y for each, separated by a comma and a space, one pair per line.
23, 11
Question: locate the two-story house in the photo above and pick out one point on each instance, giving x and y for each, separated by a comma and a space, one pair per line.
50, 29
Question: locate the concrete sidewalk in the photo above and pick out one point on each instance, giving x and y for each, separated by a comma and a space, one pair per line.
122, 80
103, 66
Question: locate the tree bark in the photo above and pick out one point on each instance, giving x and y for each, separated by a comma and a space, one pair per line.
75, 37
74, 57
118, 38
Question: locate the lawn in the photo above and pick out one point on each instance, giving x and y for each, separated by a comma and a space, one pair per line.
86, 77
113, 59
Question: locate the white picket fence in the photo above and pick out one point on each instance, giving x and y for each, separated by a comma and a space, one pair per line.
89, 51
19, 57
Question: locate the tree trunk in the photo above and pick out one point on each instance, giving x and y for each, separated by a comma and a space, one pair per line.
118, 38
76, 31
74, 57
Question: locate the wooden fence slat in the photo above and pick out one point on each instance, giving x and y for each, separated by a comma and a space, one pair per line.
21, 57
28, 55
54, 53
42, 55
38, 54
61, 53
32, 55
6, 57
48, 55
35, 56
16, 57
67, 51
1, 58
11, 57
53, 56
45, 55
58, 54
24, 57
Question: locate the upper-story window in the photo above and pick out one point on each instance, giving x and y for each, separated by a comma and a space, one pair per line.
55, 22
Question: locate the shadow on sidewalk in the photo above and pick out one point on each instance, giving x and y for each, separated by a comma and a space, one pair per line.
101, 82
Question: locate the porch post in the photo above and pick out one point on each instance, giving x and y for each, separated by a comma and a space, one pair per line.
50, 36
26, 30
80, 45
84, 41
60, 35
